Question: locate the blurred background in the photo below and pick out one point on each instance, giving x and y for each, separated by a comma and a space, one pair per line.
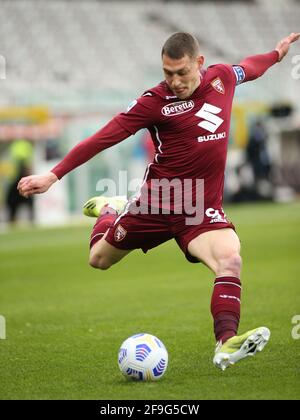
66, 67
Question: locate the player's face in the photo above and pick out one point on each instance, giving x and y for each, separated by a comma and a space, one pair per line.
182, 75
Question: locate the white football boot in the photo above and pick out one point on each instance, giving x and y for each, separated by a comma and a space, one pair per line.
240, 346
95, 205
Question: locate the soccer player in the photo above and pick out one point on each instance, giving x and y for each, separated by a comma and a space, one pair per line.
188, 116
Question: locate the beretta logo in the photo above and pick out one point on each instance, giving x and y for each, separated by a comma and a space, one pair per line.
176, 108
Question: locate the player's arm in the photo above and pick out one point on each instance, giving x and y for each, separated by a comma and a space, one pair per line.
111, 134
140, 114
283, 46
255, 66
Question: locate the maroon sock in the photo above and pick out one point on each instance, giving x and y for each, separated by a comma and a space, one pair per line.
225, 307
103, 222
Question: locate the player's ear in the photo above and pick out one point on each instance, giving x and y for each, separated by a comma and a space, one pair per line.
200, 61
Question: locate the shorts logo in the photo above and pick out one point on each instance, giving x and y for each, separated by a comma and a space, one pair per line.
216, 216
217, 84
120, 233
177, 108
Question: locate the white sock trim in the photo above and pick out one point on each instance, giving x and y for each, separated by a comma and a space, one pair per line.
228, 282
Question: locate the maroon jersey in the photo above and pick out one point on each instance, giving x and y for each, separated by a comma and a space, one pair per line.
190, 136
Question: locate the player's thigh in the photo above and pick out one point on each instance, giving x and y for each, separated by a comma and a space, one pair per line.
102, 249
215, 246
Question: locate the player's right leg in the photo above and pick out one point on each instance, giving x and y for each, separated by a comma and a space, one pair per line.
102, 254
94, 206
115, 235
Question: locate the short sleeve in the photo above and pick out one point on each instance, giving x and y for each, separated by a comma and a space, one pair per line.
139, 114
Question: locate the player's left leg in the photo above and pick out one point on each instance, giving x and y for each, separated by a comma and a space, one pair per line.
239, 347
220, 251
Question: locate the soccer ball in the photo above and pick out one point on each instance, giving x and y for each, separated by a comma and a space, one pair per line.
143, 357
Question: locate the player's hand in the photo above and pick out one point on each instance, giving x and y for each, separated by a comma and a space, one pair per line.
283, 46
36, 184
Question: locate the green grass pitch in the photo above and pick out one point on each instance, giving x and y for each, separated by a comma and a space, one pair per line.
65, 321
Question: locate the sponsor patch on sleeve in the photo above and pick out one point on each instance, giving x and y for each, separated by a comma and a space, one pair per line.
239, 74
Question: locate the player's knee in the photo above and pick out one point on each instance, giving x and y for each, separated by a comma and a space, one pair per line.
230, 264
99, 262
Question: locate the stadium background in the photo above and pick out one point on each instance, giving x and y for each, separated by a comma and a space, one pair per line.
66, 67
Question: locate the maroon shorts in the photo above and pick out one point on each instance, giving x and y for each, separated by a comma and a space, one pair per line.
146, 231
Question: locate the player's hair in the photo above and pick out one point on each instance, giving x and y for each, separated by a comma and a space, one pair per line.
180, 44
